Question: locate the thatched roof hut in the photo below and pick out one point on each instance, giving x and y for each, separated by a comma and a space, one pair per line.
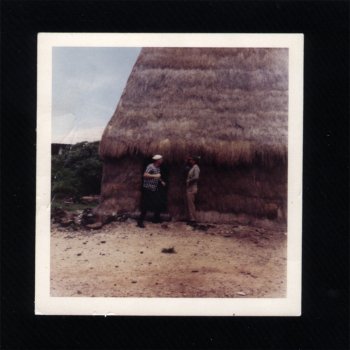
228, 105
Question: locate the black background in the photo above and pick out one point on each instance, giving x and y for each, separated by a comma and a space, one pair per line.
324, 323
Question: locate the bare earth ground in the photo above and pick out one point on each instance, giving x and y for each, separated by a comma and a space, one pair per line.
121, 260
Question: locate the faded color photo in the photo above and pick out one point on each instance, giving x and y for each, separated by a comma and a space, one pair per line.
169, 172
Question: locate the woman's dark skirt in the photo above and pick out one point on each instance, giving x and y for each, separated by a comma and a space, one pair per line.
151, 201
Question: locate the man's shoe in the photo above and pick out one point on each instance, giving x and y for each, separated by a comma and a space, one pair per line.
191, 223
141, 225
157, 220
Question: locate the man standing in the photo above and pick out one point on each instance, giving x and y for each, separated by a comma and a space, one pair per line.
192, 188
151, 195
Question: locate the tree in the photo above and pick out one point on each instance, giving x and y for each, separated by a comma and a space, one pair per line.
77, 171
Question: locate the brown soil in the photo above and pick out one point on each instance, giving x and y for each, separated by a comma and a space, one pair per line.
121, 260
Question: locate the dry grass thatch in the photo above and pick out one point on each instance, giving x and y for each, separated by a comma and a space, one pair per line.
256, 191
228, 105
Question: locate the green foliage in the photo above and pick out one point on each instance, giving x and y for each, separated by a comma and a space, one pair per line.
60, 203
77, 171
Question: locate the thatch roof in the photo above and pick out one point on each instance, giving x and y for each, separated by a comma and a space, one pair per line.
229, 105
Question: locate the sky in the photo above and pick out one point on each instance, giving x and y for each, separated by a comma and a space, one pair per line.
87, 83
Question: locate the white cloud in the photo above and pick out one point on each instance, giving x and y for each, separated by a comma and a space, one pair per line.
87, 85
79, 135
65, 122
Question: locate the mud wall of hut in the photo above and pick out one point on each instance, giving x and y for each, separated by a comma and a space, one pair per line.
254, 190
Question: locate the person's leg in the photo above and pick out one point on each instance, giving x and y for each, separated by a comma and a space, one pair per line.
156, 205
144, 205
190, 205
141, 219
156, 218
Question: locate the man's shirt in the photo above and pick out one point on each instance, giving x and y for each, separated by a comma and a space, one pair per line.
151, 184
192, 177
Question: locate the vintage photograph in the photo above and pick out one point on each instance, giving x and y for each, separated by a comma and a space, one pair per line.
172, 173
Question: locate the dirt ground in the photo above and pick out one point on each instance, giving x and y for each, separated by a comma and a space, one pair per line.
121, 260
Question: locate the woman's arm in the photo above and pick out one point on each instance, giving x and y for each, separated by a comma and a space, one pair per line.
151, 176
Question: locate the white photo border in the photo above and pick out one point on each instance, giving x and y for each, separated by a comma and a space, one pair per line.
288, 306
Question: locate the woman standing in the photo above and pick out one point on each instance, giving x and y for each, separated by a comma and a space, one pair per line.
151, 191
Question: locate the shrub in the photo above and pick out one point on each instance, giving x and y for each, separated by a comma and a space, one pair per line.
77, 171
